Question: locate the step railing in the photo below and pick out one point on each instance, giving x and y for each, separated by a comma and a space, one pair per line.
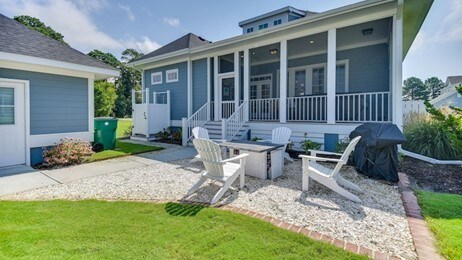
231, 126
198, 119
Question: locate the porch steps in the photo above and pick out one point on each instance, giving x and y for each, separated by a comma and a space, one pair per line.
214, 129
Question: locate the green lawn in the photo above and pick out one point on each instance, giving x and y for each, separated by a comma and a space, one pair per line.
127, 230
443, 212
123, 149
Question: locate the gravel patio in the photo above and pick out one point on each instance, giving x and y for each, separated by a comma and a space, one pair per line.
378, 223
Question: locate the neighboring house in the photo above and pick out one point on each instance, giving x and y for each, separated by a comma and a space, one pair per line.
321, 74
449, 95
46, 93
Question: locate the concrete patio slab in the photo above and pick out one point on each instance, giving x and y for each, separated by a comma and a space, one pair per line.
22, 178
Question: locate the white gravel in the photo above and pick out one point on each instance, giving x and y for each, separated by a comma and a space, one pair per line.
378, 223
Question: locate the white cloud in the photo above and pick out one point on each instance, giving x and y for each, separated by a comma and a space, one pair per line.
127, 9
174, 22
145, 45
73, 20
451, 27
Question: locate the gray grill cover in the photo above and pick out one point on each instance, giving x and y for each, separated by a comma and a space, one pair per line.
376, 154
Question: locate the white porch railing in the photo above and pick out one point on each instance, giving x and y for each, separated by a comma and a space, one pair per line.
198, 119
234, 123
227, 108
264, 109
307, 108
363, 107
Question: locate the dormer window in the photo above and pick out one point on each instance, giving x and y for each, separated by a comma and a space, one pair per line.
263, 26
277, 22
249, 30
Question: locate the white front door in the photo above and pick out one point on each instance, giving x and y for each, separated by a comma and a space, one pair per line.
12, 124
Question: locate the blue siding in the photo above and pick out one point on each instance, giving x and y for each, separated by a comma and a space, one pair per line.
178, 90
58, 104
199, 83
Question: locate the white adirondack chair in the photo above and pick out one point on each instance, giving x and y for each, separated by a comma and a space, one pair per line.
327, 176
224, 171
281, 135
199, 132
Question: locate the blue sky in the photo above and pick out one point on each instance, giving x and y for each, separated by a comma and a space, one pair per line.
114, 25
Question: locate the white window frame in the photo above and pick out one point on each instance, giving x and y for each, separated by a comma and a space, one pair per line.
155, 74
259, 84
169, 72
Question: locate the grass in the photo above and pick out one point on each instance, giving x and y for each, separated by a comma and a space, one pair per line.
123, 149
443, 212
99, 229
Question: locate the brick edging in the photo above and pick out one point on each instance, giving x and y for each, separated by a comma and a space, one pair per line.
310, 233
423, 239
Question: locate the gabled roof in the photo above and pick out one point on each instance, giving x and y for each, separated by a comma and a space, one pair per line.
187, 41
454, 80
17, 38
287, 9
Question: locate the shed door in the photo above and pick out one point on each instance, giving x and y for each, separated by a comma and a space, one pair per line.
12, 124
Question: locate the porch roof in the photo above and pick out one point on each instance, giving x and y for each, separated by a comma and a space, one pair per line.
414, 14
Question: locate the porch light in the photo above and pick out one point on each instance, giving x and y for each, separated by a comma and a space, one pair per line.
367, 31
311, 42
274, 51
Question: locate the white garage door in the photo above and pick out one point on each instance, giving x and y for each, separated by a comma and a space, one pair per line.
12, 124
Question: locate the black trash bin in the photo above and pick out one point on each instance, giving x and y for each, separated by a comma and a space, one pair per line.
376, 154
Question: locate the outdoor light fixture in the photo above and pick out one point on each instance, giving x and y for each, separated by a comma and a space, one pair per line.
311, 42
367, 31
274, 51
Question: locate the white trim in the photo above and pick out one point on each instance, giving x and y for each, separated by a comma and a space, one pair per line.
246, 83
176, 123
169, 72
155, 74
142, 79
91, 105
429, 159
189, 88
237, 82
54, 139
331, 74
26, 113
5, 56
283, 82
215, 92
209, 89
397, 88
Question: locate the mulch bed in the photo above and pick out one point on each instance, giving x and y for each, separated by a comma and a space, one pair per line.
433, 177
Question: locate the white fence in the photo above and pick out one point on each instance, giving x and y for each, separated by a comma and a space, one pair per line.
152, 113
413, 107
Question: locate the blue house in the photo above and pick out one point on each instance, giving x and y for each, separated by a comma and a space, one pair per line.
46, 93
449, 97
320, 74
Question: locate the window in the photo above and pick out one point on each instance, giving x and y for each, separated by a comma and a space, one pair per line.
172, 75
300, 79
249, 30
156, 78
263, 26
6, 106
277, 22
261, 86
340, 79
318, 80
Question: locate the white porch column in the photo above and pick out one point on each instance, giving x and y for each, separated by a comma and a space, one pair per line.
331, 73
283, 82
209, 91
246, 83
237, 85
396, 101
190, 100
216, 92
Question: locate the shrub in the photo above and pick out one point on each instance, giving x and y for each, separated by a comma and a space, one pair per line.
177, 135
432, 139
255, 138
341, 145
164, 134
309, 145
69, 152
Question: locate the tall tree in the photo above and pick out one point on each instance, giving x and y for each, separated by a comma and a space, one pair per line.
130, 55
414, 89
107, 58
105, 97
40, 27
434, 85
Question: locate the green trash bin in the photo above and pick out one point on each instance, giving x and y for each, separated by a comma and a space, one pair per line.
105, 132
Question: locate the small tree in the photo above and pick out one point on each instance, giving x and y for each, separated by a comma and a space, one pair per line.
105, 97
414, 89
434, 85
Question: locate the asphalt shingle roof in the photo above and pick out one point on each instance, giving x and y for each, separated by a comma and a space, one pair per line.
187, 41
454, 79
19, 39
